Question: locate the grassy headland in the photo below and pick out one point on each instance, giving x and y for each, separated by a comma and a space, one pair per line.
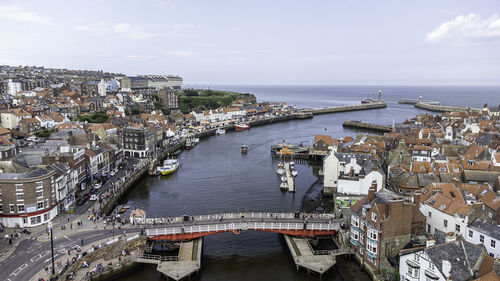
195, 99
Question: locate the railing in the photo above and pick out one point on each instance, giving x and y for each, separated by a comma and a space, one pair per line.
253, 215
222, 227
156, 257
336, 252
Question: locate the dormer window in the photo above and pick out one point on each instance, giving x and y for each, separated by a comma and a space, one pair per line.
471, 163
374, 217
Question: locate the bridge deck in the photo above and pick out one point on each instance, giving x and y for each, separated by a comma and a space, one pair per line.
285, 223
189, 261
305, 257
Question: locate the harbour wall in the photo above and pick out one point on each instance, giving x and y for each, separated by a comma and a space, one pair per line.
348, 108
443, 108
367, 126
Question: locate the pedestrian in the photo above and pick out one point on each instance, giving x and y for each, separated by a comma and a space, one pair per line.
81, 241
46, 269
69, 252
71, 225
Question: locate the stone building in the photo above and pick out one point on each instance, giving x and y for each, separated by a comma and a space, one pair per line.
138, 142
169, 98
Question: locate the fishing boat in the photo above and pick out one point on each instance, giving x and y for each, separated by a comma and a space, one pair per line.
244, 149
280, 170
294, 173
241, 126
220, 131
284, 186
195, 141
169, 166
283, 179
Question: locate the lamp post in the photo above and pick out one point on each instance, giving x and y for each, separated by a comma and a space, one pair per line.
52, 247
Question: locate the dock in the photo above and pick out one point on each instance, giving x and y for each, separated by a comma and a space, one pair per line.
185, 264
304, 257
367, 126
337, 109
415, 101
289, 178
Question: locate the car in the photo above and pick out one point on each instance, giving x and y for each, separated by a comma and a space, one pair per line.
112, 173
97, 185
93, 197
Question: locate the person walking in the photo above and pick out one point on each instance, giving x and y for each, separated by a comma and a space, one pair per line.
69, 252
81, 241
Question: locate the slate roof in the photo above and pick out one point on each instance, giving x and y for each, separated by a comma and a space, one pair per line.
32, 174
486, 228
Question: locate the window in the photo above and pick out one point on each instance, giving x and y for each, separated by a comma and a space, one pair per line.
471, 233
481, 238
19, 187
39, 205
20, 197
493, 243
39, 185
46, 217
445, 223
11, 208
20, 208
374, 216
457, 228
39, 194
416, 258
430, 215
1, 208
431, 266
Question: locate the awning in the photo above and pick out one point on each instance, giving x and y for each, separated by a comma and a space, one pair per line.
412, 264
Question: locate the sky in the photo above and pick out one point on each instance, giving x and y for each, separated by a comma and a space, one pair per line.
425, 42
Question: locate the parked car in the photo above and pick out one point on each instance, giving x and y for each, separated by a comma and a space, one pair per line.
93, 197
97, 186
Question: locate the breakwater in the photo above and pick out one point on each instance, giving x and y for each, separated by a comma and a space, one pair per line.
444, 108
336, 109
367, 126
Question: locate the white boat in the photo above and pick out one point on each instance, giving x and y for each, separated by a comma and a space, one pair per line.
283, 178
195, 141
169, 166
280, 169
220, 131
295, 173
284, 186
291, 164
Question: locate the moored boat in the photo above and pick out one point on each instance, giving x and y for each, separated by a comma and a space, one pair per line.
189, 144
169, 166
220, 131
241, 126
295, 173
284, 186
280, 169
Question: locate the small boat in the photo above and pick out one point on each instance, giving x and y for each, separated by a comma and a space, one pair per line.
169, 166
241, 126
189, 144
244, 149
195, 141
283, 179
280, 169
284, 186
220, 131
291, 163
294, 173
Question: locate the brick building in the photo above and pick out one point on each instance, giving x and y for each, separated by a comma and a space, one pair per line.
382, 224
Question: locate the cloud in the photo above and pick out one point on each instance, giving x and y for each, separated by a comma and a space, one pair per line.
468, 29
180, 53
320, 58
15, 13
141, 31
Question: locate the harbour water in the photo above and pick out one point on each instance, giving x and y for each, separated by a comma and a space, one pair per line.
215, 177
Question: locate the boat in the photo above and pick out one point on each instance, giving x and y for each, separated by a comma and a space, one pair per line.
284, 186
295, 173
195, 141
291, 163
189, 144
220, 131
283, 179
169, 166
367, 100
280, 169
244, 149
241, 126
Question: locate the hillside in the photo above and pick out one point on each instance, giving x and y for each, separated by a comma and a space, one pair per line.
195, 99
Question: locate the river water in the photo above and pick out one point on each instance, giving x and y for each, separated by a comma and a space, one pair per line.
215, 177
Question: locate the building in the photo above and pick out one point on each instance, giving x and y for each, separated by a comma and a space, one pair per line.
27, 198
454, 260
485, 233
65, 181
75, 158
29, 125
138, 142
382, 224
169, 98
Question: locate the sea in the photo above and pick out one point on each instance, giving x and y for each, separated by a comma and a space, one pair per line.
215, 177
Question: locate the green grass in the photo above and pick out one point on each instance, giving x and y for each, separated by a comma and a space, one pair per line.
191, 99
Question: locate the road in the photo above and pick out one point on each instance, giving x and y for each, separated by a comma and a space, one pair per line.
31, 255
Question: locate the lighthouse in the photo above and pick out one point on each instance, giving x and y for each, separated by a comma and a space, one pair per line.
379, 96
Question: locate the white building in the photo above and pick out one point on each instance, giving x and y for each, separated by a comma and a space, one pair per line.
446, 214
13, 87
487, 234
495, 159
453, 260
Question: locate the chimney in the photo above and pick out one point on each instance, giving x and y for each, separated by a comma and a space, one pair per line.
446, 269
450, 237
371, 192
416, 198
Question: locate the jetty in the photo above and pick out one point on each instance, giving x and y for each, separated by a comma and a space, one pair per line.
346, 108
415, 101
367, 126
443, 108
185, 264
289, 178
